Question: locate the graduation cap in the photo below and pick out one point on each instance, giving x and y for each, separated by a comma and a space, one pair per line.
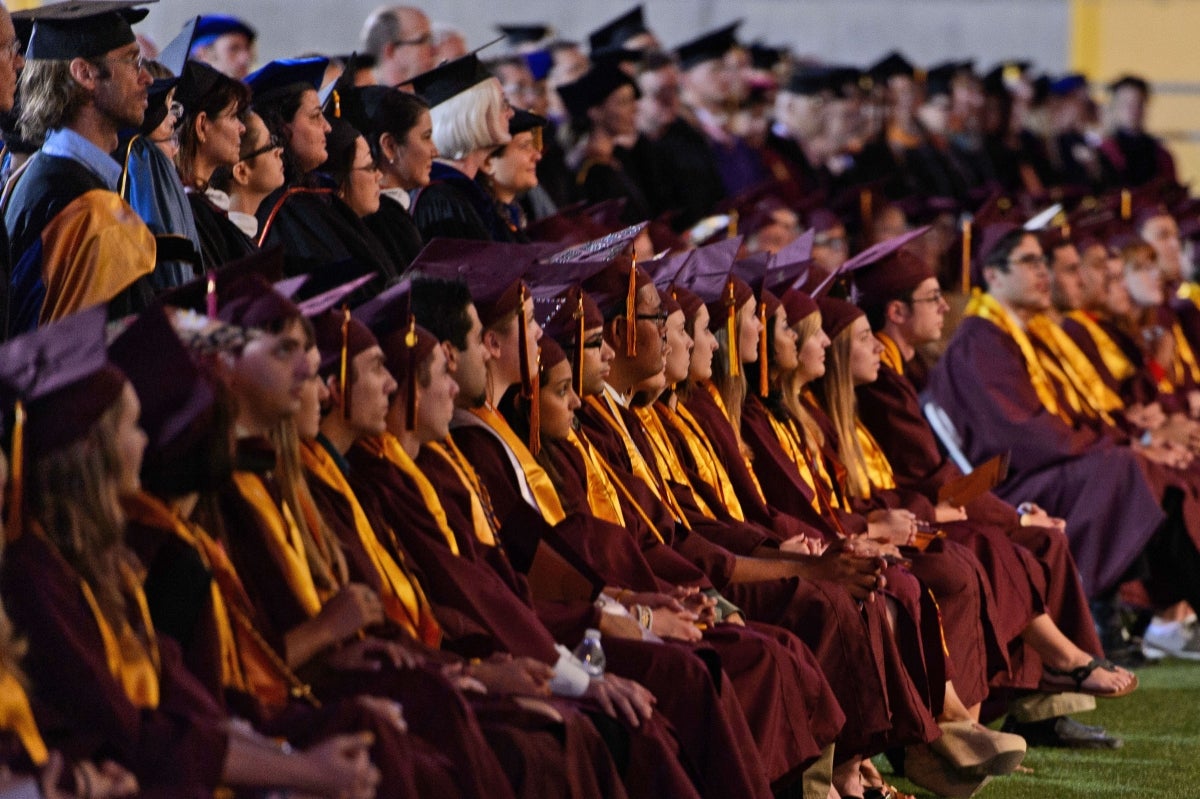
213, 26
602, 248
55, 384
837, 315
405, 344
870, 255
527, 121
708, 46
613, 34
594, 87
175, 393
516, 36
540, 62
797, 305
765, 57
450, 79
340, 338
891, 272
179, 49
284, 76
940, 78
565, 318
810, 81
1067, 84
196, 82
77, 29
891, 65
1005, 75
239, 292
1129, 81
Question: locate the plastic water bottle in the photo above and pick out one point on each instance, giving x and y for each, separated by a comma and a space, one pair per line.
591, 654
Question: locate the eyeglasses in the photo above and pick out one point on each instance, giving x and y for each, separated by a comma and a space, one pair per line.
1031, 260
371, 167
12, 49
935, 297
175, 110
135, 61
833, 242
659, 318
423, 39
273, 143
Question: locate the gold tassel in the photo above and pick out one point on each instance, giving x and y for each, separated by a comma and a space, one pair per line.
631, 311
342, 384
966, 257
1126, 205
16, 495
210, 295
579, 348
410, 390
735, 361
764, 387
337, 105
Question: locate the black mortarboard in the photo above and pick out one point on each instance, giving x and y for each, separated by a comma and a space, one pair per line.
525, 120
809, 81
518, 35
177, 51
765, 57
212, 26
890, 66
283, 76
452, 78
195, 83
613, 34
708, 46
1004, 75
173, 391
940, 78
593, 88
76, 29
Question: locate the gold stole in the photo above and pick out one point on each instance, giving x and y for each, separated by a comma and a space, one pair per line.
286, 543
1085, 390
891, 356
387, 447
601, 473
543, 489
402, 596
143, 508
1189, 291
1119, 366
17, 716
878, 469
667, 457
708, 465
605, 405
601, 493
1185, 360
793, 447
130, 662
716, 397
482, 519
986, 307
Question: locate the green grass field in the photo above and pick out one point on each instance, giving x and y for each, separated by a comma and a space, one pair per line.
1160, 723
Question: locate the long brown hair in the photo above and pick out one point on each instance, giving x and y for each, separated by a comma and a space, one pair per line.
791, 385
836, 392
731, 388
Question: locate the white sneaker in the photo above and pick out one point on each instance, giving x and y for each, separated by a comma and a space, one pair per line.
1175, 639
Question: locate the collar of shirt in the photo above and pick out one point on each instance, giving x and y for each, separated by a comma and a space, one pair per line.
399, 195
66, 143
713, 126
339, 459
617, 398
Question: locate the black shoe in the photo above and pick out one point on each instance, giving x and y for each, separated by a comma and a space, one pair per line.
1063, 732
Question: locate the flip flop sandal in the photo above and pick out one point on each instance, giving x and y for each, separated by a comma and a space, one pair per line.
1074, 679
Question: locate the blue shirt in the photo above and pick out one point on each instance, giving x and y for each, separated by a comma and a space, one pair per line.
66, 143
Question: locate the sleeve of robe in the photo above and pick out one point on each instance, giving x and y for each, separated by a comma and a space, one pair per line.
81, 708
440, 211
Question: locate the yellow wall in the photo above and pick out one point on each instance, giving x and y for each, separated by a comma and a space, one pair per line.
1158, 40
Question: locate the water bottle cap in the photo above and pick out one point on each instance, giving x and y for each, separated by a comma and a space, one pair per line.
591, 632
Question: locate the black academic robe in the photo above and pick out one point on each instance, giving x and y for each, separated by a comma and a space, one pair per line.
1135, 159
453, 206
395, 229
692, 182
221, 241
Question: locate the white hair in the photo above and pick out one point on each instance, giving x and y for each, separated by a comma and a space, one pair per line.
471, 120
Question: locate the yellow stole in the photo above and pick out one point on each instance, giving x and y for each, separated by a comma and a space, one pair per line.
387, 447
716, 397
1185, 360
482, 519
601, 493
1098, 399
793, 447
287, 545
878, 469
986, 307
130, 662
549, 505
891, 356
149, 510
402, 596
708, 465
667, 458
1189, 291
1119, 366
17, 716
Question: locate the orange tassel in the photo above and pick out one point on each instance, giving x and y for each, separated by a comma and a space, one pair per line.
210, 295
966, 256
527, 380
337, 105
343, 369
764, 387
1126, 205
16, 493
410, 391
535, 414
579, 348
735, 362
631, 311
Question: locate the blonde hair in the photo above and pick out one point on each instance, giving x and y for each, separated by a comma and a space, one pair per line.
50, 98
74, 494
732, 389
836, 389
328, 575
470, 120
791, 385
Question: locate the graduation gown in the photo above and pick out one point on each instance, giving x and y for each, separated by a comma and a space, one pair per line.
151, 185
74, 243
394, 228
983, 384
453, 206
221, 241
692, 184
1135, 159
175, 746
316, 229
